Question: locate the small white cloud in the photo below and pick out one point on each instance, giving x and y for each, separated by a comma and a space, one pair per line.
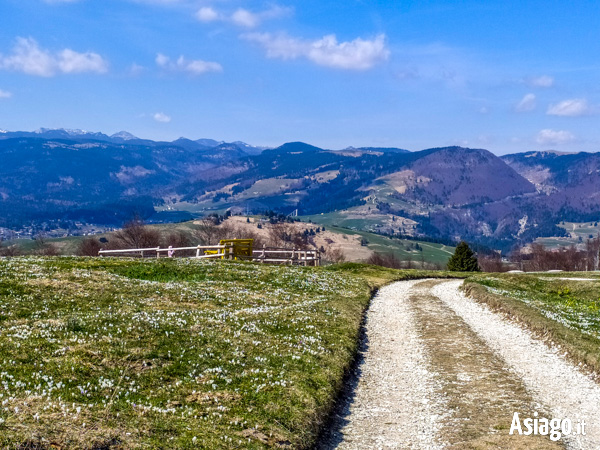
193, 67
29, 58
73, 62
484, 110
359, 54
527, 103
136, 70
242, 16
554, 137
544, 81
161, 117
570, 108
207, 14
5, 94
245, 18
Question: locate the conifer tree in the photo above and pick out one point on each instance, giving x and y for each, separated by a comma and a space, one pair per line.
463, 260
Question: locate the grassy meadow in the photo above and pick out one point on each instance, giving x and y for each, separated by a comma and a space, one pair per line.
174, 353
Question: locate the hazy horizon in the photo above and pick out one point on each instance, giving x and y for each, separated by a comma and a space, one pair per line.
411, 75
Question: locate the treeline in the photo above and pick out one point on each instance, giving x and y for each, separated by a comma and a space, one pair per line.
569, 258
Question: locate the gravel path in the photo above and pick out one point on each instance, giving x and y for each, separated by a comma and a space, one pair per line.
395, 404
458, 388
553, 380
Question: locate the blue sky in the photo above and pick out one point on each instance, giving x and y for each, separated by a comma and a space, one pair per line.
503, 75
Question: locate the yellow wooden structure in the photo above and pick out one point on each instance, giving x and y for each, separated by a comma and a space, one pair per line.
235, 249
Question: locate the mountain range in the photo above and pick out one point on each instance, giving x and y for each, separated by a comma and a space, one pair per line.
50, 176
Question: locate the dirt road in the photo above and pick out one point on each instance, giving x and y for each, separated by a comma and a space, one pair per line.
439, 370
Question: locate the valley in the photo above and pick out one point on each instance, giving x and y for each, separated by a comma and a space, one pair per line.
57, 179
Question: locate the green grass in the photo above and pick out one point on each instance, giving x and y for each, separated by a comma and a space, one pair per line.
579, 233
175, 353
563, 311
402, 248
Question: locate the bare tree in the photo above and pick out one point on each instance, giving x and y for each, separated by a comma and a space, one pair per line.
43, 247
492, 263
592, 248
89, 247
335, 255
135, 234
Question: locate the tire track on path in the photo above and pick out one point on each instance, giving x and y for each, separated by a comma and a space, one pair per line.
552, 380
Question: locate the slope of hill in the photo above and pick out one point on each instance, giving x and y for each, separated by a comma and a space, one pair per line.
449, 192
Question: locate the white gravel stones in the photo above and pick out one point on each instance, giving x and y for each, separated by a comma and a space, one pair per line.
552, 380
395, 404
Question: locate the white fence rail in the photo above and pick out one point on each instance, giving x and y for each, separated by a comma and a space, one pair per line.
287, 256
264, 255
221, 251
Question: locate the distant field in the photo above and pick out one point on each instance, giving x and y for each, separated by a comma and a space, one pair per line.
579, 233
174, 353
402, 248
563, 307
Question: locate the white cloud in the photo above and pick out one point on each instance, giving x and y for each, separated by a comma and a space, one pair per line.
5, 94
193, 67
207, 14
548, 136
73, 62
574, 107
135, 70
358, 54
243, 17
527, 103
544, 81
161, 117
28, 57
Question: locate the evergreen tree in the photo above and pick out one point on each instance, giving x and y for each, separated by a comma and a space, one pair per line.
463, 260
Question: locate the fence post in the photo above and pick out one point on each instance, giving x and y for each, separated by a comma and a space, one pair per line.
262, 256
198, 252
305, 261
158, 252
293, 256
142, 253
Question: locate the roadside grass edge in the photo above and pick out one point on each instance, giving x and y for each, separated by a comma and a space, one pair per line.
579, 348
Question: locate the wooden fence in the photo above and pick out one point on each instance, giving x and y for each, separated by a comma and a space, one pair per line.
264, 255
216, 251
287, 256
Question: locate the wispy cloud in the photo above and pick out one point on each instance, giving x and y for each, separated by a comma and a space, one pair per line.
5, 94
359, 54
207, 14
543, 81
161, 117
243, 17
574, 107
527, 103
28, 57
192, 67
554, 137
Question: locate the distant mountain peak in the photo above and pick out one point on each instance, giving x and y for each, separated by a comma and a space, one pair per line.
125, 135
